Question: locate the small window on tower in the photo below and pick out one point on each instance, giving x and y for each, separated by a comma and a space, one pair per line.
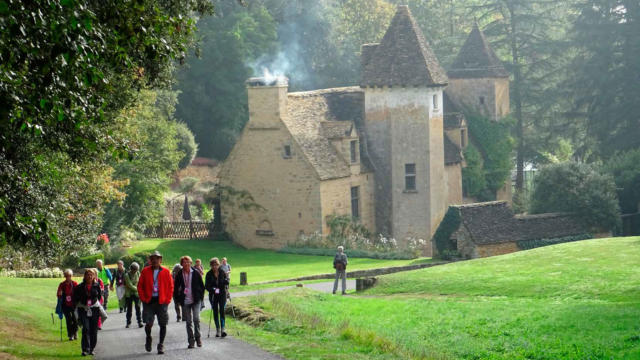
354, 151
435, 102
410, 177
481, 100
287, 152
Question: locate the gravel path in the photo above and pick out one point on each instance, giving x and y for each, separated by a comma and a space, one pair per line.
117, 342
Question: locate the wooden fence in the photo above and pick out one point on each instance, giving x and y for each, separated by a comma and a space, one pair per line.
180, 229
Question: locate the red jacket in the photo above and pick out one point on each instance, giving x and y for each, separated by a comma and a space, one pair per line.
165, 285
65, 291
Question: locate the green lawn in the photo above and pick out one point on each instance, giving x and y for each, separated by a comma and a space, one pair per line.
26, 331
571, 301
260, 265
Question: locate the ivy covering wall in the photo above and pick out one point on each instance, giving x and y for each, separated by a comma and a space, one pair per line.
442, 237
488, 157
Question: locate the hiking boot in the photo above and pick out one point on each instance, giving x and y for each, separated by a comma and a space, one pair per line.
75, 336
217, 332
191, 345
147, 344
84, 353
160, 349
128, 325
334, 293
70, 338
120, 310
199, 342
140, 325
223, 333
179, 319
92, 352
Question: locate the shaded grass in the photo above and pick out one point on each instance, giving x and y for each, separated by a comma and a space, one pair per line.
570, 301
260, 265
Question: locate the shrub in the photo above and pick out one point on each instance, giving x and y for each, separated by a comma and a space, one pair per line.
577, 188
442, 237
113, 254
89, 261
186, 144
128, 259
33, 273
625, 169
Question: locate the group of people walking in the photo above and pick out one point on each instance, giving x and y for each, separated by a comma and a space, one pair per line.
155, 286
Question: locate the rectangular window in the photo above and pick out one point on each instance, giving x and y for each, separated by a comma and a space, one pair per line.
355, 202
435, 102
410, 177
287, 152
354, 151
481, 100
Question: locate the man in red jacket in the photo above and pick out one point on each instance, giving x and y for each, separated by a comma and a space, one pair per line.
155, 289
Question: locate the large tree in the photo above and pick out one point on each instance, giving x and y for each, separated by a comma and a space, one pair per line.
67, 69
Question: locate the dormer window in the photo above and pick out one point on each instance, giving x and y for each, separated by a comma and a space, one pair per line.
287, 152
435, 102
354, 151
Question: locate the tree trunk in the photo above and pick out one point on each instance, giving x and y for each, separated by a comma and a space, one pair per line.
517, 99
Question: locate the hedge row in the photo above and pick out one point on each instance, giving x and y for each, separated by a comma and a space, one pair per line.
394, 255
32, 273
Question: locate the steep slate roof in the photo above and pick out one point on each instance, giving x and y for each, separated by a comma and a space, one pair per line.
494, 222
452, 153
403, 57
476, 59
314, 117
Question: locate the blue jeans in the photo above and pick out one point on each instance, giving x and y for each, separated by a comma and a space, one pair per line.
218, 302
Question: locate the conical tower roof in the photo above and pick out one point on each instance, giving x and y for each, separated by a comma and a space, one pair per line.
403, 57
476, 59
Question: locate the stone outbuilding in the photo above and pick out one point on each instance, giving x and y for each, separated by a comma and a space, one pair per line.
491, 228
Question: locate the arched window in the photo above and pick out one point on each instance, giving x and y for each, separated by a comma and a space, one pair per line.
265, 229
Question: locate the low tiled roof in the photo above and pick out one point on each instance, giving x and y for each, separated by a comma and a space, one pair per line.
494, 222
452, 152
476, 59
403, 57
314, 117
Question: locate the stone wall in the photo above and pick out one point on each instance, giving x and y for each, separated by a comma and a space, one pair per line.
454, 184
287, 188
336, 199
496, 249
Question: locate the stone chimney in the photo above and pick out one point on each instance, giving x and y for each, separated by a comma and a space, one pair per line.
267, 101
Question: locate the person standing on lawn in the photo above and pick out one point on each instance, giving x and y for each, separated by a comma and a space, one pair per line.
340, 262
65, 296
131, 293
177, 268
155, 289
118, 279
105, 275
86, 297
226, 267
216, 283
189, 292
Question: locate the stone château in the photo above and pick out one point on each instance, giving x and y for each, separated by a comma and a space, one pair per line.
387, 152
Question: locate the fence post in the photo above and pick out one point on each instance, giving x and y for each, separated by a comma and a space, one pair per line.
162, 228
243, 278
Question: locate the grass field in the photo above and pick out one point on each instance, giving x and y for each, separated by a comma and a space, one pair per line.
260, 265
571, 301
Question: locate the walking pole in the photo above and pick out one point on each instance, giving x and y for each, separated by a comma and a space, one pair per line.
210, 315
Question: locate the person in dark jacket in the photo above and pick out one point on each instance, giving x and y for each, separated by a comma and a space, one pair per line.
177, 268
216, 283
340, 262
188, 290
65, 294
86, 297
121, 289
